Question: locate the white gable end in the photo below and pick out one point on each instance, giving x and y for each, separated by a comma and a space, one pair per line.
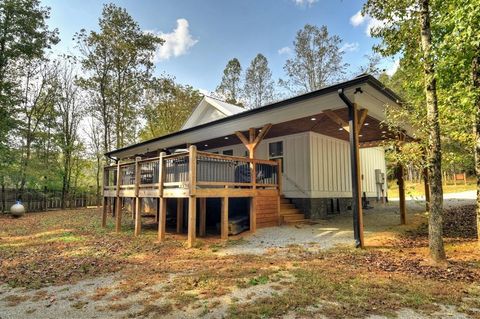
209, 110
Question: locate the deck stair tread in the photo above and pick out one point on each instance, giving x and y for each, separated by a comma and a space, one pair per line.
290, 214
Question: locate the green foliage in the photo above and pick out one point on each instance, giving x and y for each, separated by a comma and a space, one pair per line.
230, 86
318, 60
259, 86
167, 106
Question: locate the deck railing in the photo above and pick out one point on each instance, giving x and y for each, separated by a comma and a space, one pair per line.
191, 170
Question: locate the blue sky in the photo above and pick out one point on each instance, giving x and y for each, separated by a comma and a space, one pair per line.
203, 35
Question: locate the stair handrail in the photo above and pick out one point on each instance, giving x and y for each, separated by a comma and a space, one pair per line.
295, 184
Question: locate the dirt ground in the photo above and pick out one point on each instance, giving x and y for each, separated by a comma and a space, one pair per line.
64, 265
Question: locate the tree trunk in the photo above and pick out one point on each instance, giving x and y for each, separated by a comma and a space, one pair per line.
434, 156
476, 127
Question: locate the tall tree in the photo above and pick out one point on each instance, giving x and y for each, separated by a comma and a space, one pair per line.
24, 35
230, 86
69, 110
318, 60
259, 86
167, 106
400, 20
118, 61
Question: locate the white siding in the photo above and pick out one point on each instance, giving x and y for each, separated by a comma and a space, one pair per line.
371, 159
316, 165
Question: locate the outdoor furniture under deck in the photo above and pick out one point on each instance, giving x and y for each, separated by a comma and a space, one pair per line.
195, 174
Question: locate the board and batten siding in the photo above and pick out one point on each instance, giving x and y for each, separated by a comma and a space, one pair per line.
318, 166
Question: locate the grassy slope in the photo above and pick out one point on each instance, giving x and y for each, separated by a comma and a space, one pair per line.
417, 189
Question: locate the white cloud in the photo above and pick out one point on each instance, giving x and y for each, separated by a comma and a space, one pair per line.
393, 67
303, 3
177, 42
285, 50
370, 23
350, 47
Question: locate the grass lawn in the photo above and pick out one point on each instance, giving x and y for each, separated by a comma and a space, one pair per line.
417, 189
154, 280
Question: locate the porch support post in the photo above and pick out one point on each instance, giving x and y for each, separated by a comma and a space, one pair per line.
355, 168
192, 221
104, 212
118, 203
162, 201
224, 219
179, 215
203, 217
192, 200
137, 200
162, 220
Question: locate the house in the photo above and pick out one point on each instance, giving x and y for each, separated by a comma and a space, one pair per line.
304, 157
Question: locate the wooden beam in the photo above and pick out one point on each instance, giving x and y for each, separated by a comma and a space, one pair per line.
162, 220
262, 134
179, 215
224, 219
192, 221
361, 118
337, 119
242, 138
203, 217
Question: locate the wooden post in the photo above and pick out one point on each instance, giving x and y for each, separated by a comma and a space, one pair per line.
179, 215
192, 221
203, 217
401, 193
118, 203
162, 220
280, 190
224, 219
104, 212
137, 200
192, 200
162, 202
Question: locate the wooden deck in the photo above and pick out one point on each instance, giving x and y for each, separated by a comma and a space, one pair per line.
195, 175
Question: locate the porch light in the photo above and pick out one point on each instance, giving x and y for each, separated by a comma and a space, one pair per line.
205, 145
226, 137
313, 119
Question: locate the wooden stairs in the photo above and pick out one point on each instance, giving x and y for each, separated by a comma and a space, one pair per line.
290, 214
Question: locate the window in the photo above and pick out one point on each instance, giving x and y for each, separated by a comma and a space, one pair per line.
275, 149
228, 152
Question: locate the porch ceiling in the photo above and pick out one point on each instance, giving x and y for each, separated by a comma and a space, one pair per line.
372, 132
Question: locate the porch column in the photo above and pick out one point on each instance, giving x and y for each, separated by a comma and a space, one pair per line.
353, 129
118, 204
162, 201
224, 219
192, 200
137, 200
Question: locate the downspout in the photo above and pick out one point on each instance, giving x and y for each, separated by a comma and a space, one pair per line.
354, 164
